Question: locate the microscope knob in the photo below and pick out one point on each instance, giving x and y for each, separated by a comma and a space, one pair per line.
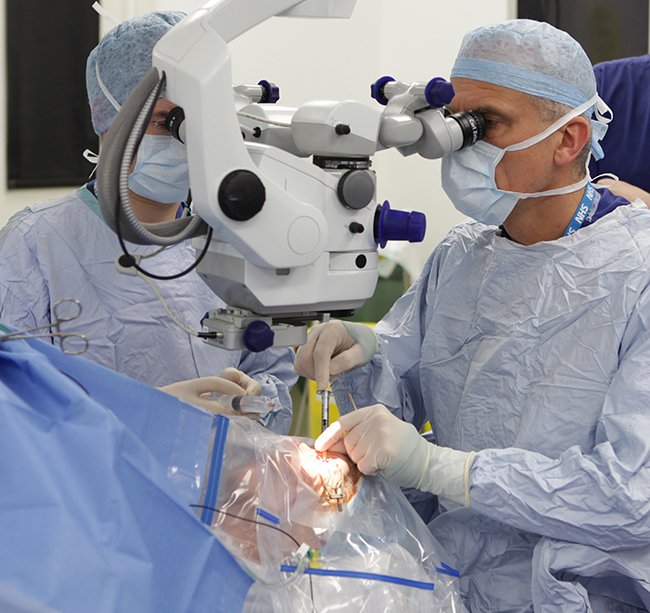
258, 336
438, 92
377, 89
395, 225
356, 189
241, 195
271, 92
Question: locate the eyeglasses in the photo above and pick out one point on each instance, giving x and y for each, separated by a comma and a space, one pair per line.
160, 124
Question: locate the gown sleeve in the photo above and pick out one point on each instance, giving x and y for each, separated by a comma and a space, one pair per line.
273, 369
600, 497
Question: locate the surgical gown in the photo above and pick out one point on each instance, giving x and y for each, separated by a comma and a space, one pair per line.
538, 358
63, 249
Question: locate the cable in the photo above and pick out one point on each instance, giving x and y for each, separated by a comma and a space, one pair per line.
162, 300
300, 570
144, 256
252, 521
129, 260
300, 567
168, 310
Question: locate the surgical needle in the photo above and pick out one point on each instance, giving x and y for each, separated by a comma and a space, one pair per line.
354, 404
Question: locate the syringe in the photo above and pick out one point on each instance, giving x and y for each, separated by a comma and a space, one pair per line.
260, 405
325, 408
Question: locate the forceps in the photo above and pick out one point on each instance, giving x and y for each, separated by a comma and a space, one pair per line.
60, 317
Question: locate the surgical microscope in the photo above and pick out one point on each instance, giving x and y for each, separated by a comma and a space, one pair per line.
285, 214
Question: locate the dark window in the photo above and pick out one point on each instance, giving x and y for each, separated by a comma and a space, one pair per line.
48, 121
607, 30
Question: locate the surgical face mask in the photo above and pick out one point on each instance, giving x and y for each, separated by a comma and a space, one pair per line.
468, 176
160, 172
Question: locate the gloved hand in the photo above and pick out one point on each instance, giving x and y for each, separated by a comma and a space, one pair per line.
376, 441
334, 347
250, 386
198, 391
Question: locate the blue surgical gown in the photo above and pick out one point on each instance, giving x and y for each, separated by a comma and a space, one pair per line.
624, 85
63, 249
537, 358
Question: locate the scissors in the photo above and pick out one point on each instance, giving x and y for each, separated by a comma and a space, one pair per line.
59, 311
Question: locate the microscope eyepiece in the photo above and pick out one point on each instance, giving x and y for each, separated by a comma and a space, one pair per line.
472, 126
174, 123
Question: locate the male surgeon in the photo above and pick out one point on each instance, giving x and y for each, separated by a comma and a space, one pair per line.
525, 343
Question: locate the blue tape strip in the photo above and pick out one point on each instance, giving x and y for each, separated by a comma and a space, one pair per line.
216, 463
447, 570
268, 516
351, 574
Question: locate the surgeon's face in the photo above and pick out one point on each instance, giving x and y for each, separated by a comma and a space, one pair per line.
511, 117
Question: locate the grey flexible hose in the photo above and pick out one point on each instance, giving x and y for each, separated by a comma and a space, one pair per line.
117, 153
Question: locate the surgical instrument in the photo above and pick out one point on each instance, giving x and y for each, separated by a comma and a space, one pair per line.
59, 317
335, 493
261, 405
325, 408
354, 404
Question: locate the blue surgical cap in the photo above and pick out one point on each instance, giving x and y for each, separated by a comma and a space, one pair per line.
122, 59
529, 56
535, 58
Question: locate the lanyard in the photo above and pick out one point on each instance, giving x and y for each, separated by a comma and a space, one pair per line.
585, 209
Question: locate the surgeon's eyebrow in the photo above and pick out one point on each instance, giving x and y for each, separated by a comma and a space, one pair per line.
500, 113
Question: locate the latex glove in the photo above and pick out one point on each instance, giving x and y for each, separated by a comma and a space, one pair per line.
250, 386
198, 391
376, 441
334, 347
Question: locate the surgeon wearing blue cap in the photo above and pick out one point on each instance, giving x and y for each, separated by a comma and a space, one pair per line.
526, 345
62, 248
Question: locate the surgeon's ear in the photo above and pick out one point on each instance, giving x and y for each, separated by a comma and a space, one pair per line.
575, 135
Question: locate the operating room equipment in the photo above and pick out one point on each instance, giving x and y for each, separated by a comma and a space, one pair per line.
260, 405
292, 206
64, 311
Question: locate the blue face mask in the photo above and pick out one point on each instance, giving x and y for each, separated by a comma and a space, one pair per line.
160, 173
468, 176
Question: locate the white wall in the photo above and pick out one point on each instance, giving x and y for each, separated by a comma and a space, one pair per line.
412, 40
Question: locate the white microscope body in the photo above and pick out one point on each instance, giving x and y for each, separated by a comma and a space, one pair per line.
292, 205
